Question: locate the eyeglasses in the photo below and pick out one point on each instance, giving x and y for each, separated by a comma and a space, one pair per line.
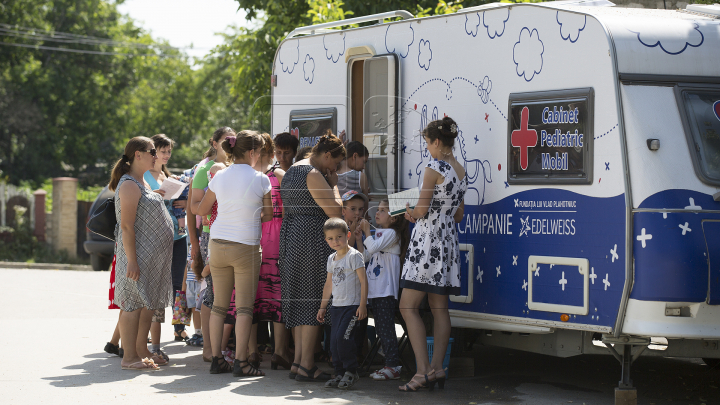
153, 152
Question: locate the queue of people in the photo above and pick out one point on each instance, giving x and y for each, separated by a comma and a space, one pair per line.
283, 239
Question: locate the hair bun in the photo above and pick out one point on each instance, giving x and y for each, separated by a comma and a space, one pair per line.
448, 128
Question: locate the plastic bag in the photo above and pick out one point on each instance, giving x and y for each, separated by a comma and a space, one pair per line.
181, 313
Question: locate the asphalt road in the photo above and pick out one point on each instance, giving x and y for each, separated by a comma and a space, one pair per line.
56, 323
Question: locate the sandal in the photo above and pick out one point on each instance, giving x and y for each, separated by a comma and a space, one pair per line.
267, 349
413, 385
293, 375
385, 373
142, 365
439, 380
254, 360
238, 369
322, 377
219, 365
195, 341
180, 337
276, 361
112, 349
161, 354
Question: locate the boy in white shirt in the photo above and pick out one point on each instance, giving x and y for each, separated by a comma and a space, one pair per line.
347, 283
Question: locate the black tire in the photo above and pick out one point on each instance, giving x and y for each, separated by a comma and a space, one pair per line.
712, 363
100, 262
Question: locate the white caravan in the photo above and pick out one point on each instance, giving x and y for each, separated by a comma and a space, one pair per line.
590, 135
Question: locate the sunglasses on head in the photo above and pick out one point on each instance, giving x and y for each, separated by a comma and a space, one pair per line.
153, 152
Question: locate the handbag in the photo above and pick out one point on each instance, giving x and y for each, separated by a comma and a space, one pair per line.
181, 313
103, 220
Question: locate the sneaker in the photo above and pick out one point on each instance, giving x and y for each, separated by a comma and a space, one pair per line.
195, 341
333, 382
386, 373
348, 380
161, 354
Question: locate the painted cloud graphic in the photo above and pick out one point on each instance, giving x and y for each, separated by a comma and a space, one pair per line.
398, 38
425, 54
289, 56
494, 21
570, 25
484, 89
309, 69
334, 46
673, 36
472, 23
527, 54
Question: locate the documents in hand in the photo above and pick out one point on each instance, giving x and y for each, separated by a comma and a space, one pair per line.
173, 188
397, 201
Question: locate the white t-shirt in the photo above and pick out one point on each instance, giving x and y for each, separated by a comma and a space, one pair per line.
383, 271
346, 284
239, 190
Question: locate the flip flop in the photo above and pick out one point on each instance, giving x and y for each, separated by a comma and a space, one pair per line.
145, 365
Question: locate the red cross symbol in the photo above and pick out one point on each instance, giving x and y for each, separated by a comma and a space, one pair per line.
524, 138
486, 117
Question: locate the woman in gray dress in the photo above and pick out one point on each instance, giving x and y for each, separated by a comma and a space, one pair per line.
143, 250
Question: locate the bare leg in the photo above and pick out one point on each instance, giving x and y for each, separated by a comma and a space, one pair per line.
243, 328
196, 319
297, 336
205, 319
281, 339
129, 333
252, 339
441, 331
310, 336
143, 328
116, 333
227, 332
409, 308
154, 333
216, 334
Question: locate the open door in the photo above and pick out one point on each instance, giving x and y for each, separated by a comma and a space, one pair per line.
380, 124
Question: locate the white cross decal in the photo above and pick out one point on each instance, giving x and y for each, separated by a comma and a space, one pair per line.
692, 205
515, 260
685, 228
563, 281
643, 237
498, 271
614, 254
606, 282
551, 266
480, 274
525, 284
537, 271
592, 275
467, 257
664, 215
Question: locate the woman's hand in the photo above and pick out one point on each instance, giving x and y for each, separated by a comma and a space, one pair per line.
133, 271
161, 192
408, 213
332, 177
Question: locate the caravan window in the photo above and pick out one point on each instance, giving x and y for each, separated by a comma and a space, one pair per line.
310, 125
702, 114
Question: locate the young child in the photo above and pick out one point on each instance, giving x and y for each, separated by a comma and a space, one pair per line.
353, 211
351, 175
384, 252
179, 213
347, 283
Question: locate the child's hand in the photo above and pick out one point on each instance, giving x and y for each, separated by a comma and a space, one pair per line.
408, 212
205, 221
352, 225
358, 233
361, 312
206, 271
321, 315
365, 227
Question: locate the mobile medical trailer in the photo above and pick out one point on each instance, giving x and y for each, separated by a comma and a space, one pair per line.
591, 140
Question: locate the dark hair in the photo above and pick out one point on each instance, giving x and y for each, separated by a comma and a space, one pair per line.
303, 153
336, 224
244, 141
211, 152
268, 147
198, 265
285, 140
356, 147
329, 143
444, 129
401, 226
122, 166
162, 141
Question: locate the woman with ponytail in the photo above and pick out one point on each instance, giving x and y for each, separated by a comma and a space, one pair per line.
143, 250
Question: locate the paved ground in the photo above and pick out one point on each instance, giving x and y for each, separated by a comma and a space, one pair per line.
55, 325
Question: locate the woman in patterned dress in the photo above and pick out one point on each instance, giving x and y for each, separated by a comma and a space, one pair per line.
143, 250
432, 264
310, 196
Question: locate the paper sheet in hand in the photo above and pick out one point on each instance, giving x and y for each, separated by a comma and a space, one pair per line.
173, 188
397, 201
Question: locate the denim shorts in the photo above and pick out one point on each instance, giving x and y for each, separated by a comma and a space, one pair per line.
193, 293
